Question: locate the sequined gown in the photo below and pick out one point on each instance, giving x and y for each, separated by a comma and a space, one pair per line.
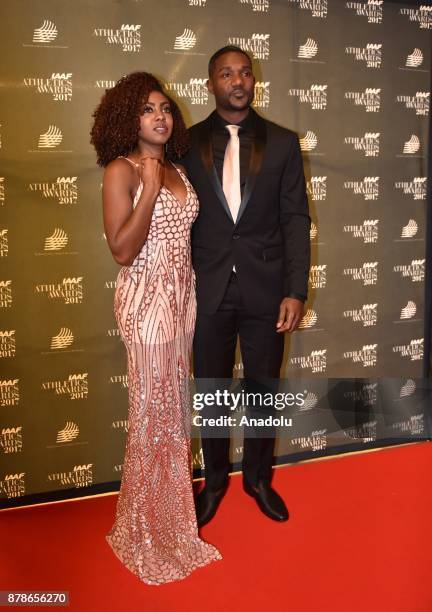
155, 533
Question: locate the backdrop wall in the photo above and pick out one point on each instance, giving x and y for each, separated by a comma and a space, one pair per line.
352, 78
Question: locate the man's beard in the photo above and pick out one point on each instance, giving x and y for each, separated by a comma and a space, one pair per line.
229, 106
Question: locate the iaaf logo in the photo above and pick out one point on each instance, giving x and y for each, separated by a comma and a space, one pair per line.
51, 138
317, 188
369, 143
367, 355
316, 96
185, 41
367, 432
309, 141
415, 270
408, 388
2, 189
76, 386
316, 361
64, 189
414, 425
313, 233
368, 273
9, 392
412, 145
121, 424
5, 294
257, 44
79, 476
128, 37
316, 441
414, 59
195, 90
13, 485
57, 241
410, 229
318, 8
413, 350
423, 15
368, 187
372, 9
309, 402
258, 6
367, 314
417, 187
105, 84
63, 339
11, 439
69, 432
59, 85
369, 98
46, 33
318, 276
7, 343
371, 54
119, 379
308, 50
309, 319
368, 231
4, 247
70, 290
262, 94
366, 396
408, 311
419, 102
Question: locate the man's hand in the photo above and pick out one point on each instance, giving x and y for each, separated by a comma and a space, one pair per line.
290, 314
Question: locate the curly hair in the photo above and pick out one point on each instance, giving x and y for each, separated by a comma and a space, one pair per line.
117, 119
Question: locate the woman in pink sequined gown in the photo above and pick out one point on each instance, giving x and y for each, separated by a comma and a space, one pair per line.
149, 207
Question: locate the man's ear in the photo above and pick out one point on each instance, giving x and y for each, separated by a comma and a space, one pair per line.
209, 85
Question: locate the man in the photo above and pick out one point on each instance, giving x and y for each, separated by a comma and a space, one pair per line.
251, 255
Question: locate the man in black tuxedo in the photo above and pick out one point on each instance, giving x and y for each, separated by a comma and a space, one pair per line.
251, 255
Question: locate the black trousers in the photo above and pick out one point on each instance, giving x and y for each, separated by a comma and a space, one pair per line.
214, 356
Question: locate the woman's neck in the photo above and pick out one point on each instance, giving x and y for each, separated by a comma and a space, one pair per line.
149, 150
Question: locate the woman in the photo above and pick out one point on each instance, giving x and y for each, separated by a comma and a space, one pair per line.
149, 207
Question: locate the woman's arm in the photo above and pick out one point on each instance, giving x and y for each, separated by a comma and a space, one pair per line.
126, 228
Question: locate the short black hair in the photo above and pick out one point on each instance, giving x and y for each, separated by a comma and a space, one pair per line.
226, 49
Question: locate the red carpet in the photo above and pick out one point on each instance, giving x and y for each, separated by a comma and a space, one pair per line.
359, 538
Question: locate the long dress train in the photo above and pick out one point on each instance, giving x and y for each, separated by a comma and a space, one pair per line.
155, 532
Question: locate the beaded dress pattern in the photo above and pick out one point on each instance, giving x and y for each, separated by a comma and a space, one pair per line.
155, 532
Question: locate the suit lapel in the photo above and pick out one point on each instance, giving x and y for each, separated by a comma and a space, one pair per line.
255, 162
206, 151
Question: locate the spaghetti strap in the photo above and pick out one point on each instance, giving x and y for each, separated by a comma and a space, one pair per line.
129, 160
178, 169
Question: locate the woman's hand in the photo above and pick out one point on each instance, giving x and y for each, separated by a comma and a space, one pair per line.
152, 173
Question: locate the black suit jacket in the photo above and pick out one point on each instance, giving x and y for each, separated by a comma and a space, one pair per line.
269, 244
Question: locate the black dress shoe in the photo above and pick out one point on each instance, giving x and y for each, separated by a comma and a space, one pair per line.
206, 504
269, 502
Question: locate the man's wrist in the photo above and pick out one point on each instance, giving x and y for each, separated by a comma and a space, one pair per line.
297, 296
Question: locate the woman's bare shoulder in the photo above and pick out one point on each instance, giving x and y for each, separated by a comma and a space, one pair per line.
119, 168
